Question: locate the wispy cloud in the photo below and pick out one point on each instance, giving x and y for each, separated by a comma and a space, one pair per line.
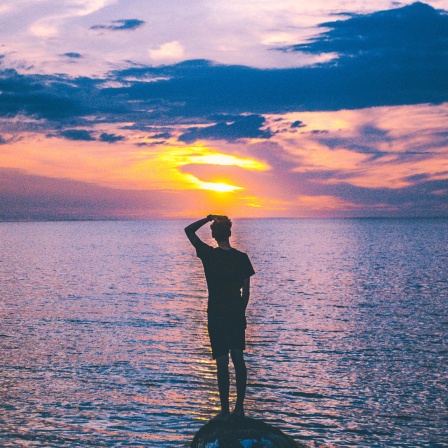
167, 52
73, 55
110, 138
77, 134
233, 128
120, 25
29, 197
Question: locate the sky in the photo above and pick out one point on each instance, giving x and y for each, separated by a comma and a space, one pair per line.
136, 109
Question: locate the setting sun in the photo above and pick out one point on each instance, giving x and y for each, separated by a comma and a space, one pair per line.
228, 160
219, 187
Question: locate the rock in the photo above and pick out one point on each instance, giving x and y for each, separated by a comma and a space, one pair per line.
242, 433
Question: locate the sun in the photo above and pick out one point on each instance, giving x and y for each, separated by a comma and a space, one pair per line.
219, 187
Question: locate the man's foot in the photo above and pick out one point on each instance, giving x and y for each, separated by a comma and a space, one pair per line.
221, 417
237, 413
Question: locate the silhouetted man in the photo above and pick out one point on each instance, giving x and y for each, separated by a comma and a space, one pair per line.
227, 272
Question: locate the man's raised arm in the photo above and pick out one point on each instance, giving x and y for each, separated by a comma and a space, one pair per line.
191, 229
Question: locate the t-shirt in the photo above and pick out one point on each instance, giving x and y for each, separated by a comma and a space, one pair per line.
224, 271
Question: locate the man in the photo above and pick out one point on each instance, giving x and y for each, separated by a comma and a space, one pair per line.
227, 272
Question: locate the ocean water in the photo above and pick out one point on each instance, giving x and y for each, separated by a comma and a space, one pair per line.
103, 332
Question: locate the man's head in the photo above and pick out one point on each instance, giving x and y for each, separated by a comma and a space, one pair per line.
221, 228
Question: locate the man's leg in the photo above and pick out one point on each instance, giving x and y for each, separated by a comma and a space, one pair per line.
241, 380
222, 365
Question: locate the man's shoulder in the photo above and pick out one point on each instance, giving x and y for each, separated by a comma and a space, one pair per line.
240, 252
202, 249
244, 262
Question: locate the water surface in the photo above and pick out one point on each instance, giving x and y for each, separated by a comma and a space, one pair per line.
103, 339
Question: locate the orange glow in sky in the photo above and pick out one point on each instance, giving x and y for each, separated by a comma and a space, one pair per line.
372, 148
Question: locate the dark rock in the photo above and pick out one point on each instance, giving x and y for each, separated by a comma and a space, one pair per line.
242, 433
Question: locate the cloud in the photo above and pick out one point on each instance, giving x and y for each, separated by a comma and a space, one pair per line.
422, 196
422, 199
417, 32
77, 134
73, 55
401, 69
163, 135
167, 52
111, 138
25, 196
239, 127
298, 124
43, 96
119, 25
374, 162
368, 140
408, 66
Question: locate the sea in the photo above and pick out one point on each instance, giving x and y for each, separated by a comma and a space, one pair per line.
103, 338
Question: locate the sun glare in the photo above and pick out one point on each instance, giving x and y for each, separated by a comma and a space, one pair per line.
228, 160
219, 187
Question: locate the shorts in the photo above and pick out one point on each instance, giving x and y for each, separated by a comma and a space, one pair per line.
226, 334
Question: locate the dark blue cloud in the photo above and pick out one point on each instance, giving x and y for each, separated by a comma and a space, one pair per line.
417, 177
73, 55
156, 143
298, 124
399, 55
77, 134
164, 135
410, 66
416, 31
54, 97
122, 24
239, 127
111, 138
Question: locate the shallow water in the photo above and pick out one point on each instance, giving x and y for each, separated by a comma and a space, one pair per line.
103, 339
